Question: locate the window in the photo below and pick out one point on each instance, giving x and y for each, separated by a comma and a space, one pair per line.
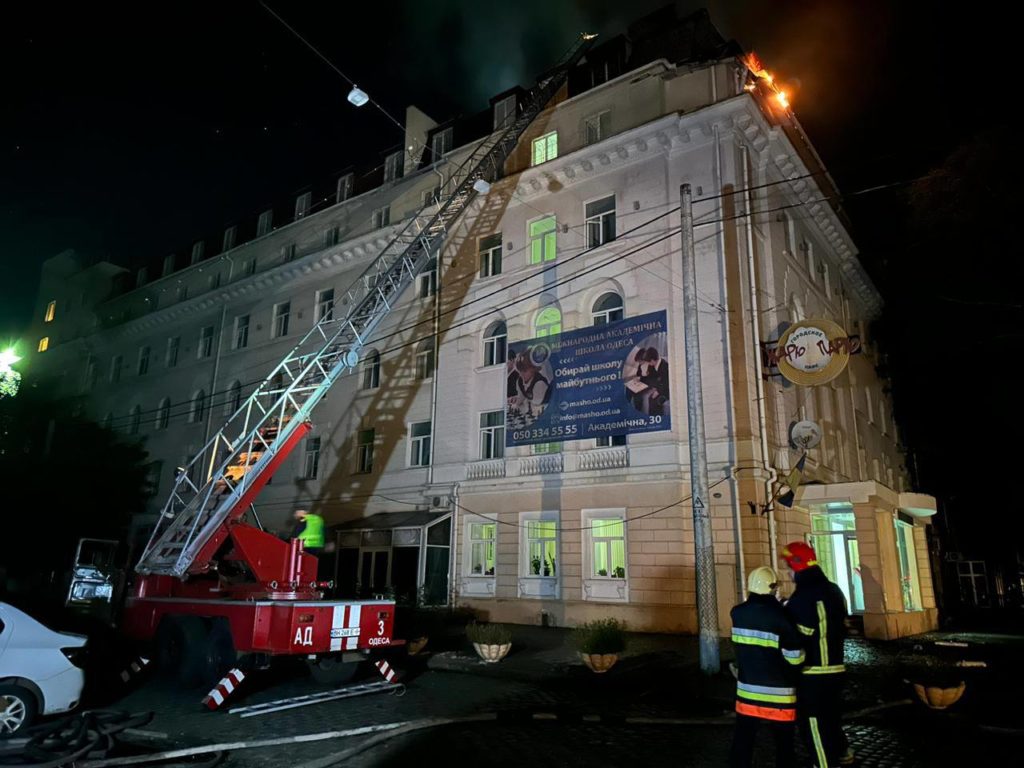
496, 344
51, 310
541, 548
265, 223
811, 271
182, 294
490, 256
825, 278
141, 277
609, 441
600, 221
234, 401
213, 282
44, 344
549, 322
542, 240
788, 237
302, 203
544, 148
393, 166
249, 267
171, 358
230, 236
504, 112
481, 548
91, 372
883, 417
425, 359
492, 435
371, 371
325, 305
382, 217
364, 451
163, 413
288, 252
608, 543
115, 368
834, 538
344, 190
198, 409
909, 583
332, 236
143, 367
241, 339
431, 196
426, 281
205, 348
419, 444
168, 264
440, 144
869, 405
311, 461
597, 128
607, 309
282, 312
197, 252
134, 420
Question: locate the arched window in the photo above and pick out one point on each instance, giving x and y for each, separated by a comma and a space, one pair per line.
371, 370
425, 359
163, 413
135, 418
607, 309
198, 407
495, 343
549, 322
234, 401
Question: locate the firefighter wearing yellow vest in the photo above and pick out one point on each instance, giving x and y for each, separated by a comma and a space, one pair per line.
818, 608
309, 529
769, 651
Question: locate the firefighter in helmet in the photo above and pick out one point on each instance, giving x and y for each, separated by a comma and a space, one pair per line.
309, 529
769, 651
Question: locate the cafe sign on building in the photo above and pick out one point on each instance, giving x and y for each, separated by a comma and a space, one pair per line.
812, 352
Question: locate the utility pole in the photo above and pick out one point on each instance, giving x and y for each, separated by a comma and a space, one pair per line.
704, 555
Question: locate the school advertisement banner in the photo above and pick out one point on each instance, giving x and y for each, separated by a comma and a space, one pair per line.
599, 381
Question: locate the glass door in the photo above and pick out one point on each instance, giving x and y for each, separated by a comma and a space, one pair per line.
834, 538
374, 569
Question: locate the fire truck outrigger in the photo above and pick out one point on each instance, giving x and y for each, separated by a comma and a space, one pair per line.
210, 585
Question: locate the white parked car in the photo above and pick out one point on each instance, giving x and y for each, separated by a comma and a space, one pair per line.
39, 670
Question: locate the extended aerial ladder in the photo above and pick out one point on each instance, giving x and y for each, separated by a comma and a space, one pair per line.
201, 550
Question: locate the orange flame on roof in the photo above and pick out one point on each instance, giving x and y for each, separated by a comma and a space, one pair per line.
757, 69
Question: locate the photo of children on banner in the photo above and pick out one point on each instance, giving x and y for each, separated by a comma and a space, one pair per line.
529, 384
645, 374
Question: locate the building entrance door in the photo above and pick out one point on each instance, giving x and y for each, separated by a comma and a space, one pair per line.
834, 538
374, 569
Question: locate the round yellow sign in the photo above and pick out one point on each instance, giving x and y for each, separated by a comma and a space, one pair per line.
813, 352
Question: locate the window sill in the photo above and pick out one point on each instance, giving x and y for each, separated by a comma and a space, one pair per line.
606, 589
476, 586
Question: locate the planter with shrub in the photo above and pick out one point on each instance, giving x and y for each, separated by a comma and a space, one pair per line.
600, 642
491, 641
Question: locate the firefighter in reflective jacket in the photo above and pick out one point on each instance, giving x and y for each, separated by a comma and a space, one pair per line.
769, 651
310, 529
818, 608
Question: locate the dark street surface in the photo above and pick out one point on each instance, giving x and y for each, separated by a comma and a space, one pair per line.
552, 711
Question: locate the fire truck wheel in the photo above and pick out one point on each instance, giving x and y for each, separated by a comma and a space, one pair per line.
180, 642
331, 670
220, 653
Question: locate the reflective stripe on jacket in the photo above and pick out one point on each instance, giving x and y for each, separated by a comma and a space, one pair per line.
819, 609
768, 653
312, 536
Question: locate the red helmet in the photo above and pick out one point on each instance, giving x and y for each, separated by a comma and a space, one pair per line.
799, 555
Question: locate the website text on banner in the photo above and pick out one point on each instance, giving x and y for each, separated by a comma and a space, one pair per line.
604, 380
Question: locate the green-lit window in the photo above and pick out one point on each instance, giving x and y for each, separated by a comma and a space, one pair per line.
481, 549
549, 322
545, 148
541, 548
542, 240
608, 538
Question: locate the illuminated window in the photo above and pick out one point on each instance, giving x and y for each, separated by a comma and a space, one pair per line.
492, 435
545, 148
607, 540
51, 310
419, 444
44, 344
549, 322
481, 549
364, 451
496, 344
490, 256
542, 240
540, 548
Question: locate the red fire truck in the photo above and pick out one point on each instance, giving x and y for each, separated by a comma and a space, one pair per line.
211, 584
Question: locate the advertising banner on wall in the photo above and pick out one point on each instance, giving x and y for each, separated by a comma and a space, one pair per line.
599, 381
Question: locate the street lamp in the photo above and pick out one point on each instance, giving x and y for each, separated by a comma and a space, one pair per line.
357, 97
10, 379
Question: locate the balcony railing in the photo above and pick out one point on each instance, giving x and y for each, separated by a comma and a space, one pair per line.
605, 458
544, 464
486, 470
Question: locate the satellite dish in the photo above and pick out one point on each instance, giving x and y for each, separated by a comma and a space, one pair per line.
804, 435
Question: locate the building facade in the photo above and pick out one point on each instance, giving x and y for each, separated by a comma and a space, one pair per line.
407, 460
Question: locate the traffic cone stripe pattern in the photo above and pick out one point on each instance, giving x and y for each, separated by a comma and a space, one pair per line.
223, 689
133, 669
386, 670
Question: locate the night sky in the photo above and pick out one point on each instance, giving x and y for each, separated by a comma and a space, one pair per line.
128, 131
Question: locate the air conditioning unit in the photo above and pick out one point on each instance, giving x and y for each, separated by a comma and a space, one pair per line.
438, 502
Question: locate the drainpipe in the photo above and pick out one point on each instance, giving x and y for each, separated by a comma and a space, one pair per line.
755, 330
452, 542
436, 328
731, 468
